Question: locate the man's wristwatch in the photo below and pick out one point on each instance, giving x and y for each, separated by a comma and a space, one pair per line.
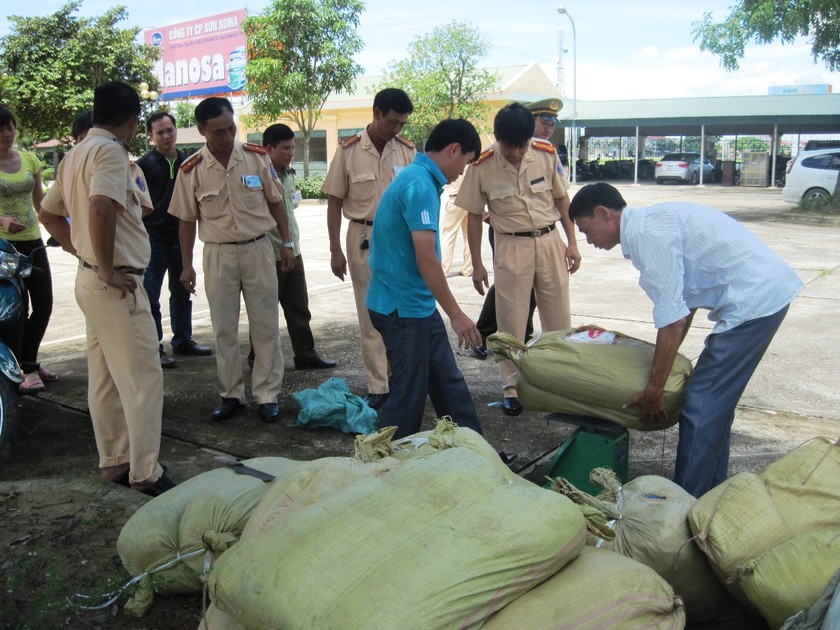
289, 245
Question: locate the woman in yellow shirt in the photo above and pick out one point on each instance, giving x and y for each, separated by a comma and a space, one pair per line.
20, 197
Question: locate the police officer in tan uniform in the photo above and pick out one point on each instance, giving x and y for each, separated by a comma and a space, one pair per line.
454, 221
359, 172
230, 190
95, 187
518, 180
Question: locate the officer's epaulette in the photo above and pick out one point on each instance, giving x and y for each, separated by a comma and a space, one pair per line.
191, 162
543, 145
483, 157
351, 141
254, 148
406, 142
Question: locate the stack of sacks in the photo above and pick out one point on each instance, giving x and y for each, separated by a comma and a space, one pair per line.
648, 517
558, 371
598, 589
774, 538
207, 512
440, 541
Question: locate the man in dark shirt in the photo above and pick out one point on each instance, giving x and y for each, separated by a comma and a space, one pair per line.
160, 167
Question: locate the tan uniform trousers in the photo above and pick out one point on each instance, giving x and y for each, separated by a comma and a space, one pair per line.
454, 221
374, 359
125, 382
521, 263
249, 269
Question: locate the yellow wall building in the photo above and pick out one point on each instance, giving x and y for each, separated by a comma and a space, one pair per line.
346, 114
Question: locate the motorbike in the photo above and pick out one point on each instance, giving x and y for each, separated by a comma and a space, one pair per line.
14, 267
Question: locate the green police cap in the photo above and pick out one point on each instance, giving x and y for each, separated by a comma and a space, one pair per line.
546, 107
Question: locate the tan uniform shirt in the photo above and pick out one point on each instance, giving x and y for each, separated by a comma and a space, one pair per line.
518, 200
359, 175
99, 165
230, 204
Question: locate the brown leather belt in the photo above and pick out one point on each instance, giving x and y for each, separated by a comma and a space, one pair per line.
250, 240
132, 270
362, 221
535, 233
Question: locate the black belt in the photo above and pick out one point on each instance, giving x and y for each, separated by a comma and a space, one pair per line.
132, 270
250, 240
535, 233
362, 221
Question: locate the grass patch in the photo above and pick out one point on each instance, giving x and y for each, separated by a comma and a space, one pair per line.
829, 206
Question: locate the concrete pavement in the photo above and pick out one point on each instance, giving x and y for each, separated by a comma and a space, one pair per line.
793, 396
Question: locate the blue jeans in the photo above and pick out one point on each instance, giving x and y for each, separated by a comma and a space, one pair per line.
422, 363
723, 370
166, 259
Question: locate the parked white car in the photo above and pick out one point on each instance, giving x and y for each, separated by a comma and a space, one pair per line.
811, 175
683, 167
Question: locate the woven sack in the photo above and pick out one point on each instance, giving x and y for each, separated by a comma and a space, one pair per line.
792, 575
590, 379
438, 542
747, 515
598, 589
206, 513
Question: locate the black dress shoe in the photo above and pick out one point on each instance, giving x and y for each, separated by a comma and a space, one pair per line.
313, 364
375, 401
191, 348
269, 412
479, 352
511, 406
167, 361
229, 408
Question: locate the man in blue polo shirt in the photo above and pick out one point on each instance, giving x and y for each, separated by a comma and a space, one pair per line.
407, 281
689, 257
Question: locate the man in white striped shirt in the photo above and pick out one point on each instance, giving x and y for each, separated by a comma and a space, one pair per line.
689, 257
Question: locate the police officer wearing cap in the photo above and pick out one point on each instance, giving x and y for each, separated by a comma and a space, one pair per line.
518, 180
96, 187
359, 172
234, 195
545, 118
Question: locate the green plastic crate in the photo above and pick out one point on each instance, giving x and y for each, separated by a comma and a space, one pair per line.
587, 449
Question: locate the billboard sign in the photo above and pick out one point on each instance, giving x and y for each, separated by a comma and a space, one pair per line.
201, 57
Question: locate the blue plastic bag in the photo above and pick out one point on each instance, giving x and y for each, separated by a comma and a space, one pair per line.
333, 406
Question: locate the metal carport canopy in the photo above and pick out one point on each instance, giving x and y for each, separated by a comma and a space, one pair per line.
721, 115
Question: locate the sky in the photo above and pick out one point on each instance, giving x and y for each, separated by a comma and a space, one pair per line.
621, 50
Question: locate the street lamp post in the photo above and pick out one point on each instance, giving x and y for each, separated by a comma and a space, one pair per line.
147, 97
562, 11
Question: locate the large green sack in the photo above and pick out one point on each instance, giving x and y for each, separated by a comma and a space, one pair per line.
598, 589
199, 518
310, 483
589, 379
747, 515
792, 575
442, 541
651, 527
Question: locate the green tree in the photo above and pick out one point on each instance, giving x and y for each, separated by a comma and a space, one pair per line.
53, 64
299, 52
184, 113
763, 21
442, 77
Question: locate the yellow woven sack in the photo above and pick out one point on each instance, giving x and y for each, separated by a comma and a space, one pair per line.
792, 575
310, 483
652, 528
442, 541
748, 514
215, 619
598, 589
590, 379
198, 519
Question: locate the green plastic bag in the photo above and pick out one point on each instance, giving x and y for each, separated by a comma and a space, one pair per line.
334, 406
